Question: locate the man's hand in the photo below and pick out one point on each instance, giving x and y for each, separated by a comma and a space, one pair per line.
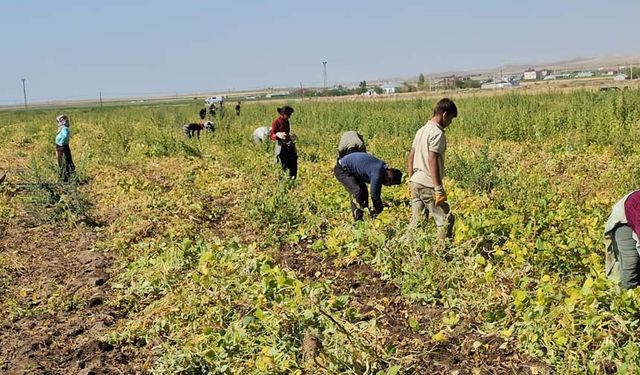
440, 196
281, 135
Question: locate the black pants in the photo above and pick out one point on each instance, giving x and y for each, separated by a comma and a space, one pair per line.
65, 162
288, 157
356, 188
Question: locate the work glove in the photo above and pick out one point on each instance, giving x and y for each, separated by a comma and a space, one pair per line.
440, 196
281, 135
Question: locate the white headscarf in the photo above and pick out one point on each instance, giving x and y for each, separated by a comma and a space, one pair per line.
62, 120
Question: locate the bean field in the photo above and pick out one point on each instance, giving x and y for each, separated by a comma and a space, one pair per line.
172, 255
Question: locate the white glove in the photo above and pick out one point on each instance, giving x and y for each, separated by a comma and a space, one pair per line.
281, 135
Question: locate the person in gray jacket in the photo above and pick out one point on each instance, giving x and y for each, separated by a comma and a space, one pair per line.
351, 141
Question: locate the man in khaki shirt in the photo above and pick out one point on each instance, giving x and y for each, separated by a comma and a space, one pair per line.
426, 170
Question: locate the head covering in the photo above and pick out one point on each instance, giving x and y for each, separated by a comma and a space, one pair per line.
62, 120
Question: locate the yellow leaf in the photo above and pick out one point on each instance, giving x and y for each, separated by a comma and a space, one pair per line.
438, 337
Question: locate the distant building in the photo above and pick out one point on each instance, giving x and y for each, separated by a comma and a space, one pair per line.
584, 74
389, 88
531, 74
496, 85
610, 72
278, 94
620, 77
369, 92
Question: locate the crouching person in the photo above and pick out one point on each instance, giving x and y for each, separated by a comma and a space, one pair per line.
622, 260
350, 142
65, 161
357, 169
261, 134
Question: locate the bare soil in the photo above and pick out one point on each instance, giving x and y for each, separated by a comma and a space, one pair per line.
464, 351
54, 303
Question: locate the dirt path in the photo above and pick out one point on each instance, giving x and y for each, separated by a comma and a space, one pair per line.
53, 302
462, 352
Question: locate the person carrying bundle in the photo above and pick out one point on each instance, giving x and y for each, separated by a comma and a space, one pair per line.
285, 150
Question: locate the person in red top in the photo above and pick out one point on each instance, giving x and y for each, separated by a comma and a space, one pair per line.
286, 152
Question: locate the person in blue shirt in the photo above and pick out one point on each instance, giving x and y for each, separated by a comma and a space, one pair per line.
65, 161
357, 169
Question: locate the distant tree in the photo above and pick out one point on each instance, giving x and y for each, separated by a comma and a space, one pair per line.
422, 82
407, 87
363, 84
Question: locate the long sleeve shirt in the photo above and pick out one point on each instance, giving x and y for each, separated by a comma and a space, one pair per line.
63, 135
368, 169
280, 124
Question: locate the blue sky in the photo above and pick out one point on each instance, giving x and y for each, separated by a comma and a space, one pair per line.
75, 49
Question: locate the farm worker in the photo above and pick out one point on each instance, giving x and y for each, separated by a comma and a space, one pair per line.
622, 259
357, 169
426, 170
261, 134
194, 128
65, 161
351, 141
238, 109
212, 109
285, 150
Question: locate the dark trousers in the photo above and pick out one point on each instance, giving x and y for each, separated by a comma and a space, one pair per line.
65, 162
356, 188
288, 157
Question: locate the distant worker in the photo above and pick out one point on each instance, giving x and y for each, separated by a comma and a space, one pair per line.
194, 128
357, 169
285, 150
622, 259
221, 109
261, 134
238, 109
351, 141
426, 170
65, 161
212, 109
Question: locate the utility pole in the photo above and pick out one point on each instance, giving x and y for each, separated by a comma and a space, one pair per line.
100, 99
24, 92
324, 63
301, 91
631, 71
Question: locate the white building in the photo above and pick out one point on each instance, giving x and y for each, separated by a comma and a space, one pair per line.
389, 88
531, 74
369, 92
620, 77
496, 85
584, 74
